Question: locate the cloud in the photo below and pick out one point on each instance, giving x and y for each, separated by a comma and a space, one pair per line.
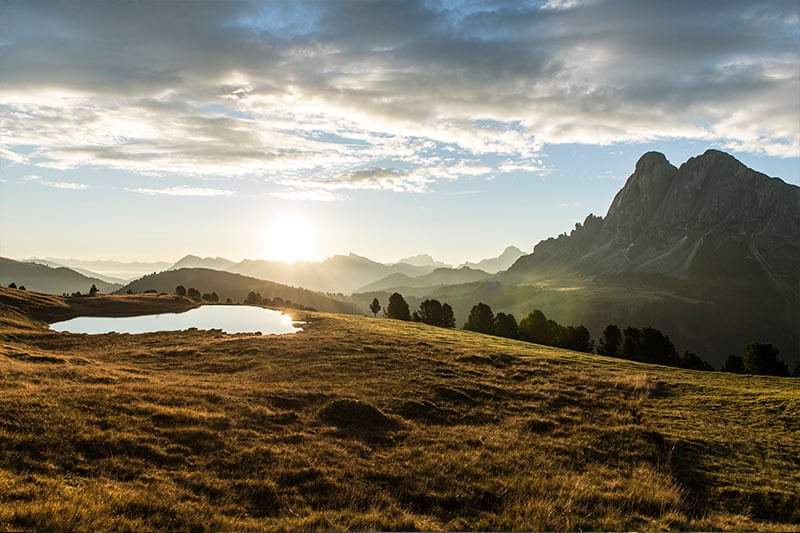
311, 195
57, 184
184, 191
297, 92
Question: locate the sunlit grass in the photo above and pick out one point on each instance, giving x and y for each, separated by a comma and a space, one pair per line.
203, 430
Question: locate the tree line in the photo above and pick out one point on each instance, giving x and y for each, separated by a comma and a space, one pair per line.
431, 312
646, 345
255, 298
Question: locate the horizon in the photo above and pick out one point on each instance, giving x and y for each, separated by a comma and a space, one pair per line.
268, 131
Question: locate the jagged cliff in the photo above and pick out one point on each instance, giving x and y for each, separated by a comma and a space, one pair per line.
711, 220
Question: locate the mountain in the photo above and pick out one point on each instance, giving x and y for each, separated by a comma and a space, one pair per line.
707, 252
711, 220
87, 273
109, 269
339, 274
193, 261
437, 278
234, 286
423, 260
43, 278
497, 264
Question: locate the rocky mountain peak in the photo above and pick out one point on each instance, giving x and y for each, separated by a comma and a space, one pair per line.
641, 196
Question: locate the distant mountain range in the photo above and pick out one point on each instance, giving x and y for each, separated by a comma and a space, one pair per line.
105, 269
424, 260
43, 278
345, 273
437, 278
499, 263
193, 261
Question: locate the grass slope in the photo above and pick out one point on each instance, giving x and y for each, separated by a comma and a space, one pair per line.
236, 287
360, 423
44, 278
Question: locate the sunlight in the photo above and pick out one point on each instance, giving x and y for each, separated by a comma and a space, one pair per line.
290, 239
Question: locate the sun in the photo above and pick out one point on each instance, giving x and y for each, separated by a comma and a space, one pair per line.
290, 239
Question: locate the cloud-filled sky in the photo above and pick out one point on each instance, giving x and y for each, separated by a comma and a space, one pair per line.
149, 130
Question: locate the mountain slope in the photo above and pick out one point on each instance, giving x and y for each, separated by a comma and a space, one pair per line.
234, 286
43, 278
497, 264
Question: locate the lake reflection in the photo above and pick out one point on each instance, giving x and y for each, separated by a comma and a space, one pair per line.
228, 318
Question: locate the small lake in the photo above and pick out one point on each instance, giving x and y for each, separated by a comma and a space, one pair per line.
228, 318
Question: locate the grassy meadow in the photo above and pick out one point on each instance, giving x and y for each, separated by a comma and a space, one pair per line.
359, 423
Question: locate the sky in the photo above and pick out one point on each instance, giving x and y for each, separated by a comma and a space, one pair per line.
298, 130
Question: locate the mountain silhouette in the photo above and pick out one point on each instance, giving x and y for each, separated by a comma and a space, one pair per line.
711, 220
437, 278
497, 264
423, 260
193, 261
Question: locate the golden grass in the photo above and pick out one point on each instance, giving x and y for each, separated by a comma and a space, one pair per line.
207, 431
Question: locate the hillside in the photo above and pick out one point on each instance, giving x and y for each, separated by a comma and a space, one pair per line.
234, 286
43, 278
83, 271
373, 424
